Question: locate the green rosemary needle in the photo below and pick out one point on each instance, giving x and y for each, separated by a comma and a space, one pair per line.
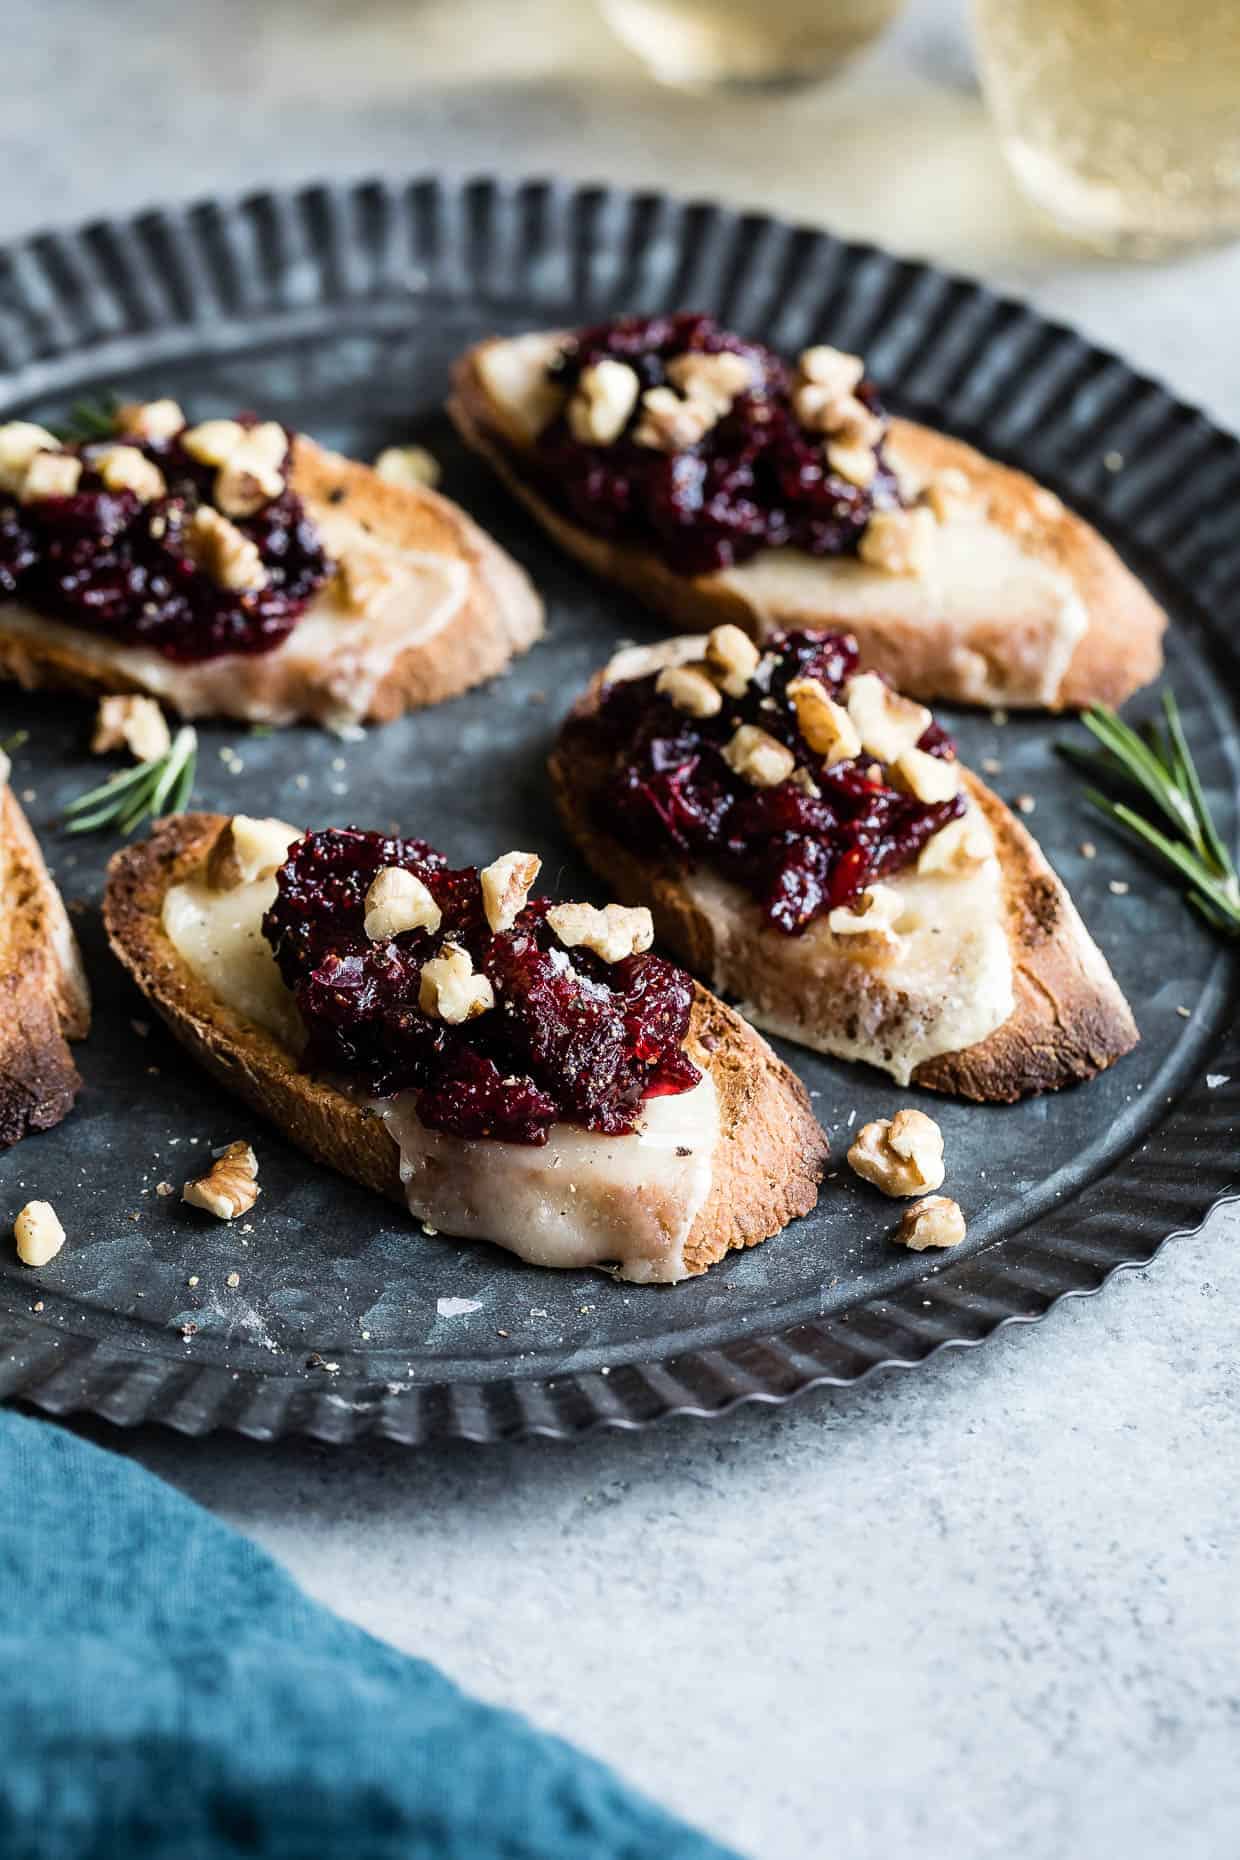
1156, 798
124, 801
89, 419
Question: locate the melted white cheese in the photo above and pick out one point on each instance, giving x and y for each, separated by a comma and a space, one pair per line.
980, 581
580, 1200
328, 668
220, 935
941, 981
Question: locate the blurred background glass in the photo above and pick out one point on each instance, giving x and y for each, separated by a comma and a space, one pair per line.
1120, 118
694, 42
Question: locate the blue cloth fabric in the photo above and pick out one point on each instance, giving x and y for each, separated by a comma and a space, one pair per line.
168, 1693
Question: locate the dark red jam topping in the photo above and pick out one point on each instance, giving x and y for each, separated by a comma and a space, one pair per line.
670, 796
570, 1039
104, 561
757, 479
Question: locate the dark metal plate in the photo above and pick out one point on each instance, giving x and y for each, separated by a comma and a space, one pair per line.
339, 310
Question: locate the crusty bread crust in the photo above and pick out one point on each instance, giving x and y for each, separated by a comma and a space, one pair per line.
44, 1000
501, 616
1069, 1022
771, 1151
1119, 652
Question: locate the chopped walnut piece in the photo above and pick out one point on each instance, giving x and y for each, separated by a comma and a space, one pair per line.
506, 885
856, 463
957, 847
802, 779
252, 473
758, 758
449, 989
887, 723
732, 658
223, 552
613, 933
365, 574
230, 1186
150, 419
606, 395
824, 397
133, 723
875, 912
397, 900
248, 461
930, 778
670, 424
948, 494
715, 380
19, 441
831, 368
936, 1221
248, 849
38, 1233
411, 466
902, 1155
825, 725
690, 690
50, 474
900, 542
125, 468
213, 441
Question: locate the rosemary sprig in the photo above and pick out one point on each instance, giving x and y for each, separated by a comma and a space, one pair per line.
89, 419
1155, 787
123, 801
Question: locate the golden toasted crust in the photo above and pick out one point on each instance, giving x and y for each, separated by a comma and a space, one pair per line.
43, 996
771, 1151
500, 617
1119, 651
1070, 1020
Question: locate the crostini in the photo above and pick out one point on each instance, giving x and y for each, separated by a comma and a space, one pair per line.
44, 1000
507, 1068
234, 569
805, 837
718, 484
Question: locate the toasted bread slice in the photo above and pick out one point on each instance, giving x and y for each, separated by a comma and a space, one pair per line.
770, 1150
427, 606
1026, 605
44, 1000
1061, 1019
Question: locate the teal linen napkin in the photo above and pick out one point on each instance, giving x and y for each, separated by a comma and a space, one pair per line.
168, 1693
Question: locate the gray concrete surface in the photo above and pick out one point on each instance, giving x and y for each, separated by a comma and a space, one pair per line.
986, 1609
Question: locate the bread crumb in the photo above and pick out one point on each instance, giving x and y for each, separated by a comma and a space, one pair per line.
1088, 850
164, 1188
999, 717
1025, 804
991, 765
1118, 886
1184, 1013
1114, 461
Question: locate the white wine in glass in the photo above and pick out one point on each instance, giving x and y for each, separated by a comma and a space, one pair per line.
1120, 118
702, 42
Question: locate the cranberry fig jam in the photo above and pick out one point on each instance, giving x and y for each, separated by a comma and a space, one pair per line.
711, 467
743, 792
141, 551
566, 1037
